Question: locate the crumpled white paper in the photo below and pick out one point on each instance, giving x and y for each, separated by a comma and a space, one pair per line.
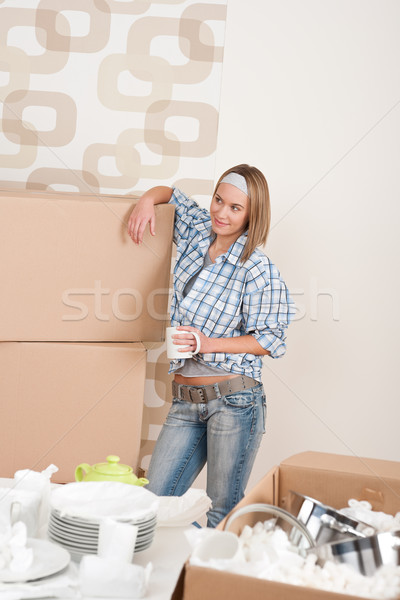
14, 553
268, 554
111, 574
362, 510
117, 540
180, 511
63, 585
107, 578
97, 499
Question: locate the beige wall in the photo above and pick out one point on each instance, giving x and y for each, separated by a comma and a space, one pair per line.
311, 95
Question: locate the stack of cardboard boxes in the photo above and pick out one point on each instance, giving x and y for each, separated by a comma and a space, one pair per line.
78, 298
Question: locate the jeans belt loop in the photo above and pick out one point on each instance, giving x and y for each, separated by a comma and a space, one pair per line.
217, 390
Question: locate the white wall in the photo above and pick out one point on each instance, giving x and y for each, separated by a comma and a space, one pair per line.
311, 95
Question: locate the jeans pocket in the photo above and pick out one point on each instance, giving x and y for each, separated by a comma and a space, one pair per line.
239, 400
176, 405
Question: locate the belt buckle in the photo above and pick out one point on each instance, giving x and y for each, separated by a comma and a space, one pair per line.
198, 392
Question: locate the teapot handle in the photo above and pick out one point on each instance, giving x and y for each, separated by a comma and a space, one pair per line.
82, 470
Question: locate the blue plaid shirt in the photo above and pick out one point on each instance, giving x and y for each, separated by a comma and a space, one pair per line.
228, 298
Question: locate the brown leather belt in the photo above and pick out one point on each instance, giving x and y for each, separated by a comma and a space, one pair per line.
205, 393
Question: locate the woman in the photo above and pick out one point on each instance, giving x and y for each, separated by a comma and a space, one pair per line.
229, 292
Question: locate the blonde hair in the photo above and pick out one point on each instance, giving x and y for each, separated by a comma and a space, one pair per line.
259, 207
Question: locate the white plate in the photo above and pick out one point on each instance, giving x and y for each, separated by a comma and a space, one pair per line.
152, 518
76, 532
73, 545
75, 521
70, 544
86, 523
146, 532
48, 559
82, 530
144, 540
71, 538
149, 523
141, 548
72, 532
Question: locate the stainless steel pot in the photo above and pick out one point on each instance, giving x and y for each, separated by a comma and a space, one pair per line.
324, 523
365, 555
253, 513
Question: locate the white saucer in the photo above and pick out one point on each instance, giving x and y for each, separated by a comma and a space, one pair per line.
48, 559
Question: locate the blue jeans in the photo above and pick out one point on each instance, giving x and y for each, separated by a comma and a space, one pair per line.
226, 433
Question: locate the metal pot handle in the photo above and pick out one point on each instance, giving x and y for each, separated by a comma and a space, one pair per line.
275, 511
334, 524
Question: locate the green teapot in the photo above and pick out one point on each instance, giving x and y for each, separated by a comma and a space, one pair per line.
109, 471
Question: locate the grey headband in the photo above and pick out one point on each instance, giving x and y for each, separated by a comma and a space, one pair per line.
236, 180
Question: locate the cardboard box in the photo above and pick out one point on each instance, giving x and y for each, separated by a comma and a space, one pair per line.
70, 271
67, 403
332, 479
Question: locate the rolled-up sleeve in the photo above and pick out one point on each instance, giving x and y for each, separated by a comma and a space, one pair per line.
188, 215
268, 310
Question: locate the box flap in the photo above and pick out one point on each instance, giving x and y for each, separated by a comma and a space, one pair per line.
334, 478
345, 464
200, 583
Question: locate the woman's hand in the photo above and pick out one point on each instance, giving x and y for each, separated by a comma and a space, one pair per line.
188, 342
142, 214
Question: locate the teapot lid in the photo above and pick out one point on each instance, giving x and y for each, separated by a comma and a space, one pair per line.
112, 467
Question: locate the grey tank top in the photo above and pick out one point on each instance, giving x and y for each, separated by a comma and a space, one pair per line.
192, 367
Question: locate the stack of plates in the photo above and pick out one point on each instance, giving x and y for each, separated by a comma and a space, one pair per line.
80, 535
76, 514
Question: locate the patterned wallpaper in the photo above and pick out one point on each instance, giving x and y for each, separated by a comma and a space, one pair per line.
112, 96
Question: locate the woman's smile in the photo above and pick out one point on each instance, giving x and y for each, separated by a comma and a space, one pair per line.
219, 223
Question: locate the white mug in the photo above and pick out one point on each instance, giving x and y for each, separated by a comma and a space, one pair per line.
173, 349
20, 505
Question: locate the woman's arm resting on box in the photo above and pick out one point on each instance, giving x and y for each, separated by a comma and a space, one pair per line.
143, 212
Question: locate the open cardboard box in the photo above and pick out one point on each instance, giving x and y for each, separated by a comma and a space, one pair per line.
331, 479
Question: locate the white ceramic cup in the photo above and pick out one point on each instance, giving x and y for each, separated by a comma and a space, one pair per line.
173, 349
219, 545
20, 505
